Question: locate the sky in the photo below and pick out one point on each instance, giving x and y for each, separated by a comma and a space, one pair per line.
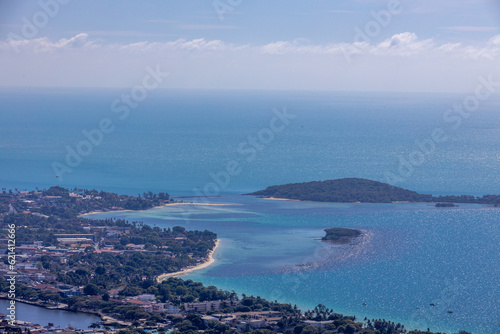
341, 45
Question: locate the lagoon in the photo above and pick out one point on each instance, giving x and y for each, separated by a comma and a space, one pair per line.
413, 255
42, 316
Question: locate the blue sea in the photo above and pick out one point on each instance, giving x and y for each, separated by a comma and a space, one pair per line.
227, 143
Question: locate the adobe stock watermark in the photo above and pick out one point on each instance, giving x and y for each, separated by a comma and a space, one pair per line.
223, 7
373, 28
121, 108
12, 274
453, 118
31, 27
248, 151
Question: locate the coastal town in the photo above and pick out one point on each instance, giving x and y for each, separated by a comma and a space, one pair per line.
54, 257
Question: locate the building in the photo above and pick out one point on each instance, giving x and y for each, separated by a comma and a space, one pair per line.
172, 309
253, 323
203, 306
70, 292
146, 297
75, 236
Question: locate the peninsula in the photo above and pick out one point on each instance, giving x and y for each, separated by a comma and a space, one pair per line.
353, 190
122, 271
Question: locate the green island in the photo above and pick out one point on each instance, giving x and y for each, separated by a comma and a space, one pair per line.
353, 190
340, 235
445, 205
64, 260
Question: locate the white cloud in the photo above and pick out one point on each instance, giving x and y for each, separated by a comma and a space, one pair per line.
43, 44
405, 44
400, 62
199, 45
495, 40
81, 42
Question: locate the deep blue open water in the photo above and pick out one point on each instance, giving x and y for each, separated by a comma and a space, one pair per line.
180, 141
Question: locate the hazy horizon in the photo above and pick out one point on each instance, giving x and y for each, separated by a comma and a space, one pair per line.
341, 46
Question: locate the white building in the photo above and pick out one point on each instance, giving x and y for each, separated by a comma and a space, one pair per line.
146, 297
203, 306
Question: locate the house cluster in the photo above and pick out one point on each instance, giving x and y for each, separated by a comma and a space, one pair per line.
32, 201
29, 266
148, 303
244, 320
29, 327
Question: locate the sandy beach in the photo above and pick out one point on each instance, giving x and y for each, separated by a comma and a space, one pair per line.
203, 265
193, 203
157, 207
281, 199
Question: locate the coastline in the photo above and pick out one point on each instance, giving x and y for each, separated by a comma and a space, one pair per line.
193, 203
59, 307
185, 271
284, 199
155, 207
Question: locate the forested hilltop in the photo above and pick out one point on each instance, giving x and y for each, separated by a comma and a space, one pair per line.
352, 190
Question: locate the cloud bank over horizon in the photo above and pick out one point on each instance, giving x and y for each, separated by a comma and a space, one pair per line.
402, 62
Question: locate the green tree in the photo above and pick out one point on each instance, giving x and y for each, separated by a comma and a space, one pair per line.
91, 289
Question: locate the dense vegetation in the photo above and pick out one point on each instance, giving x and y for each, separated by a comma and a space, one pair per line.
340, 235
361, 190
178, 291
167, 250
134, 273
79, 201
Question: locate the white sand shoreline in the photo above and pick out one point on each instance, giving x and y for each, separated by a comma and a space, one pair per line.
158, 207
283, 199
185, 271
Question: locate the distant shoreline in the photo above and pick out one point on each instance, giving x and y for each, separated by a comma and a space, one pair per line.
284, 199
200, 266
357, 190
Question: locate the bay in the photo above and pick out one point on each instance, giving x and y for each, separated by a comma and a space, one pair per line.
182, 141
413, 255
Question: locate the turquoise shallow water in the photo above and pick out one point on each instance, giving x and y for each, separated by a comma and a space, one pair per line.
413, 255
176, 141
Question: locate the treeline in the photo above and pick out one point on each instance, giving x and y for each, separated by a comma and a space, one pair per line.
176, 289
137, 270
353, 190
340, 235
32, 228
66, 203
167, 250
